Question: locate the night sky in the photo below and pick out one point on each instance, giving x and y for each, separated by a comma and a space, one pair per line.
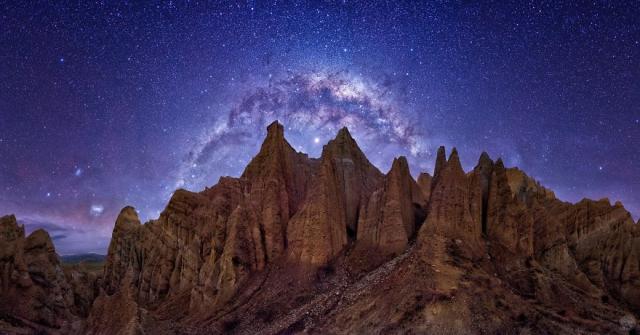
108, 104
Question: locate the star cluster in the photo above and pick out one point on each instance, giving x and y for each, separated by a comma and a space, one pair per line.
107, 104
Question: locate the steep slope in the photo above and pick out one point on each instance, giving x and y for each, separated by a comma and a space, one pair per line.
327, 246
328, 219
474, 268
333, 246
393, 215
205, 245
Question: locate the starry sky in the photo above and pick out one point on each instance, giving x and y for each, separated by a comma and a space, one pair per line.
107, 104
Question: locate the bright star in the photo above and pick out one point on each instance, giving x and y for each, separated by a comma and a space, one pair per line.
316, 140
78, 172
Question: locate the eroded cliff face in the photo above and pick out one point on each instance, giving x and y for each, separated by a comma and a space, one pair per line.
292, 231
592, 244
328, 220
394, 213
36, 293
332, 245
206, 244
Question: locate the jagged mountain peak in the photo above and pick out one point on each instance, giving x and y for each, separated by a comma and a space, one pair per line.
296, 244
39, 238
453, 154
453, 163
10, 218
441, 161
344, 134
484, 161
484, 157
343, 146
275, 128
400, 164
10, 228
127, 218
276, 155
274, 139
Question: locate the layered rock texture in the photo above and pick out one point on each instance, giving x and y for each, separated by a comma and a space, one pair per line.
36, 294
333, 246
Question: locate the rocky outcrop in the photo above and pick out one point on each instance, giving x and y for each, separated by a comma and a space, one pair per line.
450, 209
592, 244
494, 233
331, 245
278, 176
118, 313
524, 187
328, 220
424, 184
393, 214
207, 244
35, 292
509, 224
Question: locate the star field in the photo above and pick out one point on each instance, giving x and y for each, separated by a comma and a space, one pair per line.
104, 105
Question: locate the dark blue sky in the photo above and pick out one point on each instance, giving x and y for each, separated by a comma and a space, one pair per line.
104, 105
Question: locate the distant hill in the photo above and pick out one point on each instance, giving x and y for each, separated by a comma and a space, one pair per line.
87, 258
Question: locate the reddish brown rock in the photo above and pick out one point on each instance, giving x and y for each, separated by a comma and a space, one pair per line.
207, 244
497, 252
34, 289
509, 224
278, 178
441, 161
479, 183
118, 313
424, 183
524, 187
281, 250
393, 214
328, 219
450, 208
594, 245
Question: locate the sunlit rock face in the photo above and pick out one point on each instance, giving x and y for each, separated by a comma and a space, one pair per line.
332, 245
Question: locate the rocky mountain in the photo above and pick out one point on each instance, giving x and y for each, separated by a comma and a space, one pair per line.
333, 246
36, 294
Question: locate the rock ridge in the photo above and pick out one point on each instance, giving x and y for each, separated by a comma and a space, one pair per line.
333, 245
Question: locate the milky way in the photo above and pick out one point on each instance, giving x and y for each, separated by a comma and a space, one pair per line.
313, 106
104, 105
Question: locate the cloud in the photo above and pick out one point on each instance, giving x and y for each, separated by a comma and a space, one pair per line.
35, 224
96, 210
70, 239
58, 237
